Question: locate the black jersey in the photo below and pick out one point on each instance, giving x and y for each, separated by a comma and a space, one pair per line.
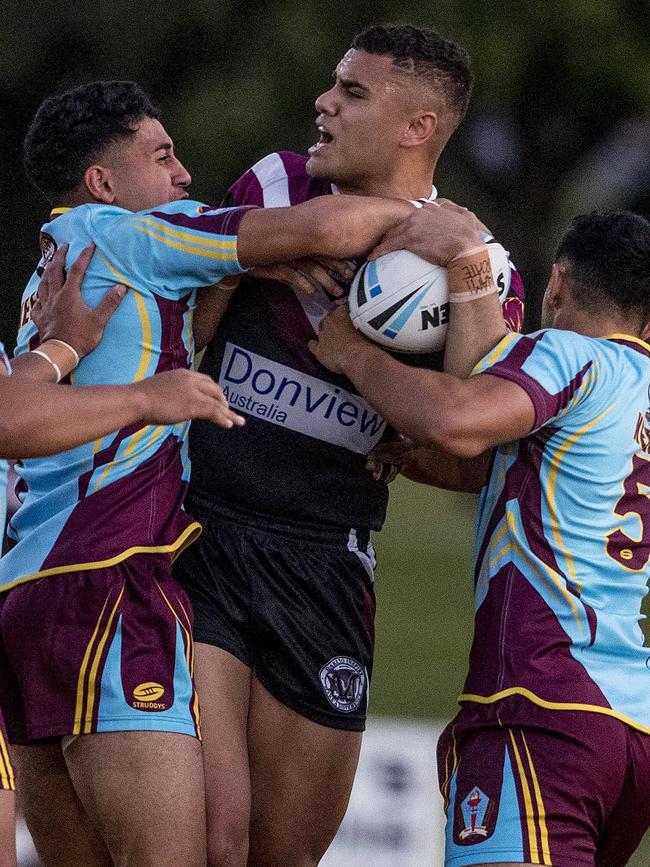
302, 453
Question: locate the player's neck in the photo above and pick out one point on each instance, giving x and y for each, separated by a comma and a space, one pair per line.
400, 184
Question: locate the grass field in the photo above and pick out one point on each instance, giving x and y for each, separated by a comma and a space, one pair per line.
424, 594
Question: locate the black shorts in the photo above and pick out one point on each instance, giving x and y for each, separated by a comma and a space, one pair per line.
293, 602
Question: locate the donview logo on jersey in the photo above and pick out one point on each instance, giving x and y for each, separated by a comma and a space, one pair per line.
343, 681
147, 696
293, 399
474, 810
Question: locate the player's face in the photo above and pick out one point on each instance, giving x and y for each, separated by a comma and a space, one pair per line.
361, 120
145, 170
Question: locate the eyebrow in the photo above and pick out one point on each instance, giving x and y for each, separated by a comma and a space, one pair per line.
164, 146
349, 83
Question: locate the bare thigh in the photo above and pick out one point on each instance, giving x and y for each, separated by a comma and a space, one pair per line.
144, 793
7, 829
223, 684
62, 831
301, 779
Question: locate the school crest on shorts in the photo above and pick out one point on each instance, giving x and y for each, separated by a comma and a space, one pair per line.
344, 682
475, 811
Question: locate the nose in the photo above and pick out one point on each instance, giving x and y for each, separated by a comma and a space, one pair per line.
181, 177
326, 102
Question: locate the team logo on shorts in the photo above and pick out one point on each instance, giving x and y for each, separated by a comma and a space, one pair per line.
474, 810
343, 681
147, 696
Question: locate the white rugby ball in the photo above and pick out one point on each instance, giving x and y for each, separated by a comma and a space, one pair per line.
402, 301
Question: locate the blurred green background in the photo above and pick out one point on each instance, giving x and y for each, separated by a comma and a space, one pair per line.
559, 124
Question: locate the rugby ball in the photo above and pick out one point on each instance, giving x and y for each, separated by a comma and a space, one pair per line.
402, 301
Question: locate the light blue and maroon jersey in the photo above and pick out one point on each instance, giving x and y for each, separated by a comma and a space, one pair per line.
302, 453
563, 533
97, 504
5, 370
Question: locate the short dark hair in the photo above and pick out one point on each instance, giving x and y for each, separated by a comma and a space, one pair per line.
424, 54
71, 130
608, 258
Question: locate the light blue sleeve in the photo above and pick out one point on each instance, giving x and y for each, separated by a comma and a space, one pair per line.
171, 249
565, 374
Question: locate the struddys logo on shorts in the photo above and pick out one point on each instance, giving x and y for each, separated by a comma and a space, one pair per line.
147, 696
344, 682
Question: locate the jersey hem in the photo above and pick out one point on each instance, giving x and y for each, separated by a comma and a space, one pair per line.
552, 705
190, 534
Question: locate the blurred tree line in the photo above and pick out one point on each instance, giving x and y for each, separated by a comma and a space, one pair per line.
559, 122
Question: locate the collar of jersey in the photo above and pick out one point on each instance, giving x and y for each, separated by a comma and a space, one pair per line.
56, 212
432, 197
628, 338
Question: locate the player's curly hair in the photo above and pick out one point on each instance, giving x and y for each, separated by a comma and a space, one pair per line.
608, 258
72, 129
424, 54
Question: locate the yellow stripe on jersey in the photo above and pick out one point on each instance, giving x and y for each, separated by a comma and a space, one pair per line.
218, 242
95, 666
500, 350
551, 705
528, 803
196, 251
541, 810
556, 460
76, 730
630, 339
537, 566
189, 535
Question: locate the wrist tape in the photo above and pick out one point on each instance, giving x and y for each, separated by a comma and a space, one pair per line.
470, 275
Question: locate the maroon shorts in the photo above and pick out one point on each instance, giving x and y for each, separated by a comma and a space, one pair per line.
523, 784
97, 651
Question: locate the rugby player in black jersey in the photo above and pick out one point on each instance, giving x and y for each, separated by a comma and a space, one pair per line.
281, 579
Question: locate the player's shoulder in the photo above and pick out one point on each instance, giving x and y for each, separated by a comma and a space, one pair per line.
277, 180
279, 165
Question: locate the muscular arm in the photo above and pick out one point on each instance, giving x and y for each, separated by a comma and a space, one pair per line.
463, 417
337, 226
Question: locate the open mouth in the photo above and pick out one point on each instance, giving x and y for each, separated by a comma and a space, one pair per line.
324, 139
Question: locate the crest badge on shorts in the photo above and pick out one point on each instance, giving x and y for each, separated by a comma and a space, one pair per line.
344, 681
474, 810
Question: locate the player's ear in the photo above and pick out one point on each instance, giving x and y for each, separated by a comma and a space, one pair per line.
99, 183
421, 128
556, 287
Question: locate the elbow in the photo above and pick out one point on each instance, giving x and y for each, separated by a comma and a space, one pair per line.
452, 431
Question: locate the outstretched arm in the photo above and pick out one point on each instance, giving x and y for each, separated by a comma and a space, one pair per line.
337, 226
39, 418
463, 417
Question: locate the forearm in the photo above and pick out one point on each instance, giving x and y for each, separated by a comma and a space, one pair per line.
337, 226
38, 418
476, 324
474, 329
433, 466
425, 405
